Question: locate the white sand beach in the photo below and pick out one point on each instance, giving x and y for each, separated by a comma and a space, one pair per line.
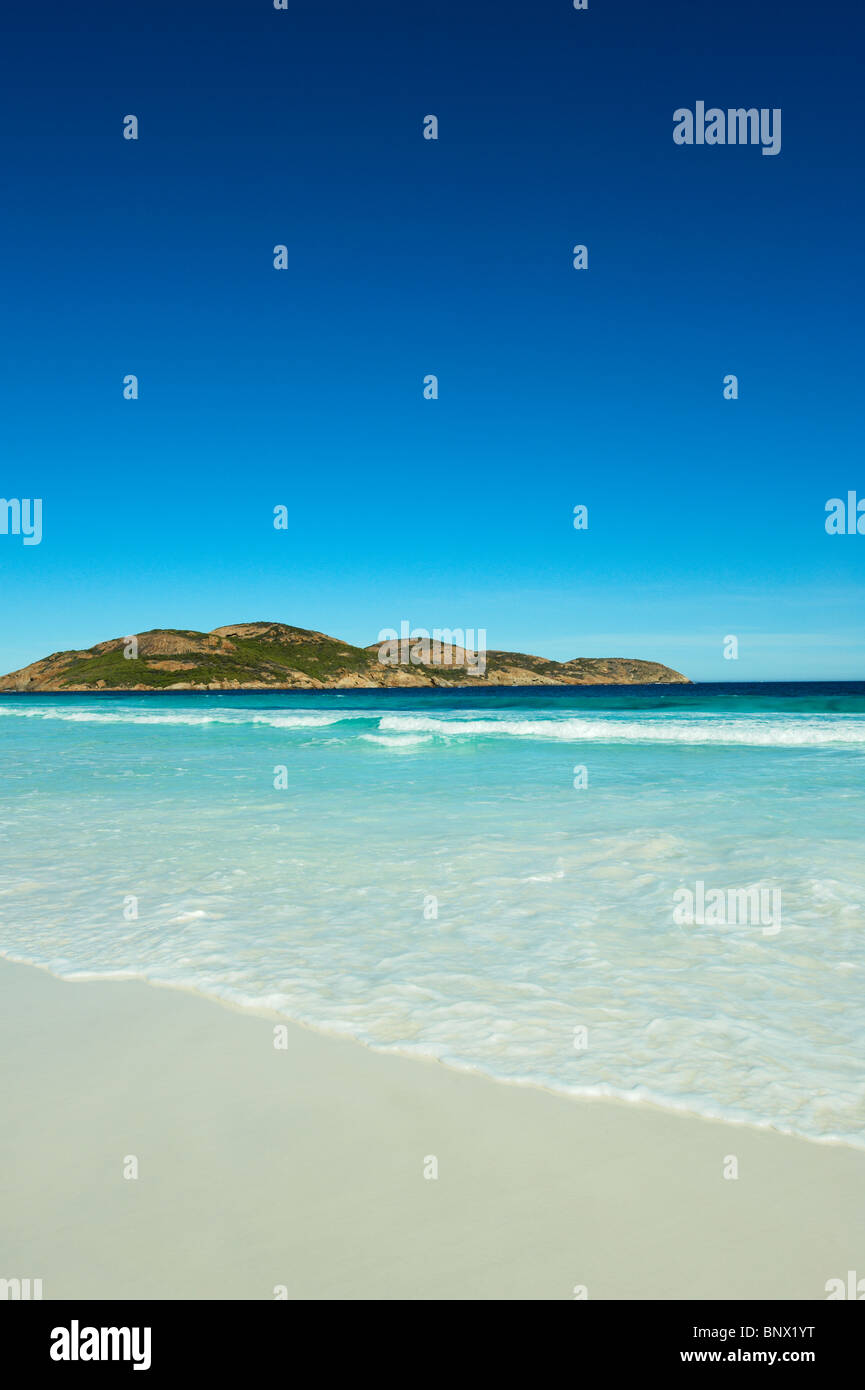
304, 1168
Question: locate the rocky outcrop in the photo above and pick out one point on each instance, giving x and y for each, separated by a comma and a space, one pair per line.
274, 656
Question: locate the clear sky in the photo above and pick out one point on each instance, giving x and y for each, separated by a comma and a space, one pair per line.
407, 257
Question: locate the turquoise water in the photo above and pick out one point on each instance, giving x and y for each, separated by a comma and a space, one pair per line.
430, 879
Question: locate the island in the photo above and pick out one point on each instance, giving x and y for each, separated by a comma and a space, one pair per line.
274, 656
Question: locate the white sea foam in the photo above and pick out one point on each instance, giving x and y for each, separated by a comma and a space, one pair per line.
287, 719
397, 740
755, 731
553, 906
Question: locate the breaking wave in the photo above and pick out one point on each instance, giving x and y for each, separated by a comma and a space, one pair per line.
405, 729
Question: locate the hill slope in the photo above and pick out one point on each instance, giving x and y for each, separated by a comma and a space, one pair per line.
262, 656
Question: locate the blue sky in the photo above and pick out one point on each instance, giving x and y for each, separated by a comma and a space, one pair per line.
407, 257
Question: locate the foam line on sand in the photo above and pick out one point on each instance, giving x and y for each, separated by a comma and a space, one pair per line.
304, 1167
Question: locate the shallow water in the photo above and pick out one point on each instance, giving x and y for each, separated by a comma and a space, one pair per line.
429, 878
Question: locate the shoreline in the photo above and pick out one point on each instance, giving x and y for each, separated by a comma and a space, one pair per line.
687, 683
302, 1168
439, 685
588, 1096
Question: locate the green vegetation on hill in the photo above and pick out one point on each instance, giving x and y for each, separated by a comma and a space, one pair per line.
252, 659
276, 655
